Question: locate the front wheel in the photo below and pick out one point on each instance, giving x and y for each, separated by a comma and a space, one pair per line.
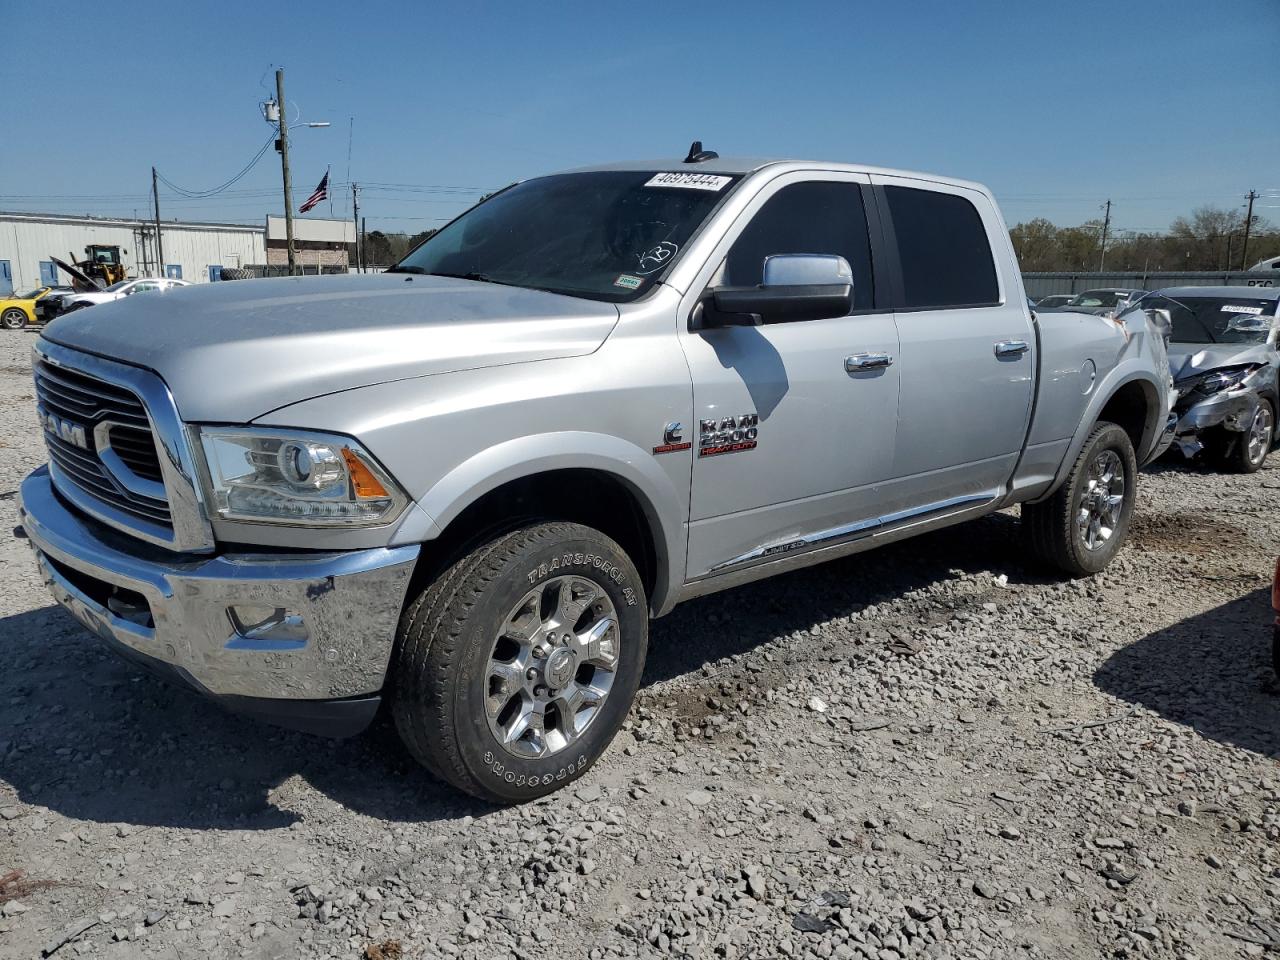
13, 319
1248, 451
516, 667
1082, 526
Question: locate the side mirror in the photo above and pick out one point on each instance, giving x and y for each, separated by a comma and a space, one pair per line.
796, 286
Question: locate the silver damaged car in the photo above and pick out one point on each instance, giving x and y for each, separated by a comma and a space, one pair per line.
1224, 362
464, 486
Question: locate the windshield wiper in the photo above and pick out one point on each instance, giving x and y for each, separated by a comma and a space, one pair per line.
478, 277
405, 269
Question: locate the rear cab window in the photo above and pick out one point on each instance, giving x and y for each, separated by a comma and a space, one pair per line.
944, 252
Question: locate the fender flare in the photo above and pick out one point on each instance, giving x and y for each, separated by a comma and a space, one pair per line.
663, 507
1130, 371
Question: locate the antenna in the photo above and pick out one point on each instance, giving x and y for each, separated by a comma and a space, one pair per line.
697, 154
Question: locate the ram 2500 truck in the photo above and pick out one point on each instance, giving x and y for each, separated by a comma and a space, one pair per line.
464, 486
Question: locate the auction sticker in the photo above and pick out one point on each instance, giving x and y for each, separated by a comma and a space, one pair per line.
1236, 308
628, 281
689, 181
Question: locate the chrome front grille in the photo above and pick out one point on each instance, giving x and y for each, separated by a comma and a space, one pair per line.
84, 417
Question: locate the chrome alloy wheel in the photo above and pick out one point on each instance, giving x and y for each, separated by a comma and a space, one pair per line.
1101, 501
1259, 438
552, 666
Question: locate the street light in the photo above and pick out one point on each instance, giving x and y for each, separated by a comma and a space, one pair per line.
274, 112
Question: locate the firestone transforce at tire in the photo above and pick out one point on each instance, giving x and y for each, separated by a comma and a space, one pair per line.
1084, 524
516, 667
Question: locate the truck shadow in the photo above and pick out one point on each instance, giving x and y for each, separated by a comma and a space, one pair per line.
94, 738
736, 621
1210, 672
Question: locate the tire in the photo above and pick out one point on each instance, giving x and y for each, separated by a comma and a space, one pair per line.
13, 319
1247, 452
463, 685
236, 273
1060, 533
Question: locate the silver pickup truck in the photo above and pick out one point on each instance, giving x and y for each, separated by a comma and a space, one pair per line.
465, 485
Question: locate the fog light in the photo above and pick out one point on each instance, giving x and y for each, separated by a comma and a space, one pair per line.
261, 627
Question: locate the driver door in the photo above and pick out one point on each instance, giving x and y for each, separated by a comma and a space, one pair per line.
791, 436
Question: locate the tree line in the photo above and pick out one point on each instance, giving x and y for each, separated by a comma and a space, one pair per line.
383, 249
1209, 239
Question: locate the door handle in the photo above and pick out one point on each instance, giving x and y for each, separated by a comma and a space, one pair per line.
866, 361
1011, 348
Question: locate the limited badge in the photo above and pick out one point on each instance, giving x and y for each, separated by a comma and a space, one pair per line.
728, 435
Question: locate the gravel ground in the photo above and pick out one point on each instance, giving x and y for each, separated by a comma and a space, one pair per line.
932, 750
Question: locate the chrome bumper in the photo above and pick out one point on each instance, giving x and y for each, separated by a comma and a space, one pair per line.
174, 611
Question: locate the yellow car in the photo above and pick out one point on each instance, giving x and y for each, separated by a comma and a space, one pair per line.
17, 312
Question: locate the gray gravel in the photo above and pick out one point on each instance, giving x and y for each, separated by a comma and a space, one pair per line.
928, 751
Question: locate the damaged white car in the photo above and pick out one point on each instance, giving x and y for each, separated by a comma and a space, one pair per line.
1224, 361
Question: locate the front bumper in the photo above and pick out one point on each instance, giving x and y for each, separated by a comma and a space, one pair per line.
1232, 410
173, 613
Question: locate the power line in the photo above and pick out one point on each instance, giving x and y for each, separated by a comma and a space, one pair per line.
205, 194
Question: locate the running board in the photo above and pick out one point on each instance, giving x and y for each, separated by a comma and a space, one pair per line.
799, 546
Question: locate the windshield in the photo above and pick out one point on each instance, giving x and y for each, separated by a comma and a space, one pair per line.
1097, 298
605, 236
1214, 319
118, 284
30, 294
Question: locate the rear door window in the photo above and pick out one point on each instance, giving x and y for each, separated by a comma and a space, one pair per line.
816, 216
943, 250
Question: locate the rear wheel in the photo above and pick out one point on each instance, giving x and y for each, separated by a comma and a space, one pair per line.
13, 319
516, 667
1083, 525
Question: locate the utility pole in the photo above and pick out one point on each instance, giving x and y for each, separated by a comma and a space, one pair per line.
288, 182
1106, 222
364, 237
355, 225
155, 194
1248, 222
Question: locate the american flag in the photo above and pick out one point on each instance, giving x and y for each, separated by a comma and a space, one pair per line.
321, 192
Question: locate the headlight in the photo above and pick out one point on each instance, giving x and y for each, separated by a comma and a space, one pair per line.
295, 477
1225, 379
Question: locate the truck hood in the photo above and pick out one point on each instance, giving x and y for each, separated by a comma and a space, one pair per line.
235, 350
1186, 359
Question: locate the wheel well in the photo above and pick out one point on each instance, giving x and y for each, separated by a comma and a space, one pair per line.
1128, 409
590, 497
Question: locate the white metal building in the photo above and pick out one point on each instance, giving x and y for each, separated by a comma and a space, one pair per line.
191, 250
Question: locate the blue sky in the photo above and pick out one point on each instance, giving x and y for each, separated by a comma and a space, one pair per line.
1161, 105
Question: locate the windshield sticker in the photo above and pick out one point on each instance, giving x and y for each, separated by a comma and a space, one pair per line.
1236, 308
628, 281
655, 258
689, 181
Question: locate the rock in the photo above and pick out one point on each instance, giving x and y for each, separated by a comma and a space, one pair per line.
13, 908
985, 890
1108, 843
224, 908
590, 793
9, 813
699, 798
817, 705
154, 917
1010, 833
